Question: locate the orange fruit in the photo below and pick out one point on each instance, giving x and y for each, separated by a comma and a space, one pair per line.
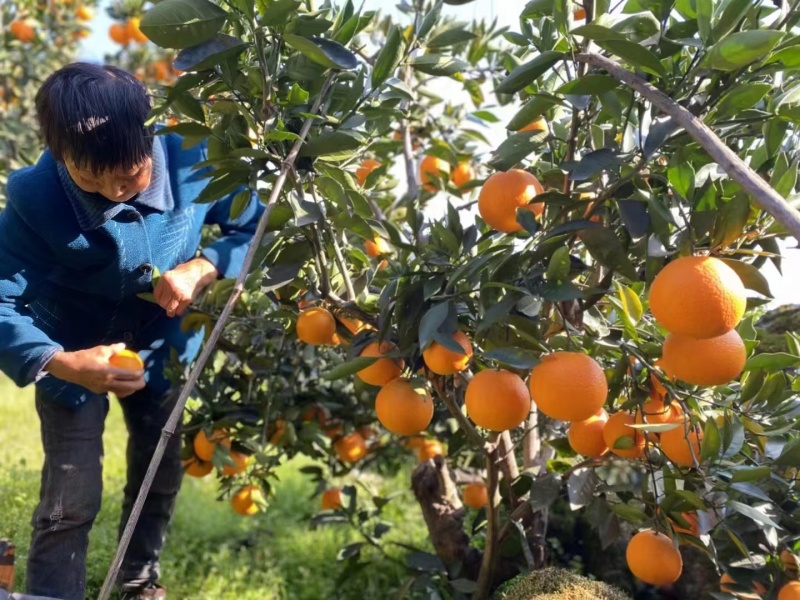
161, 70
334, 429
128, 360
245, 502
443, 361
84, 13
790, 562
579, 15
653, 558
22, 31
403, 407
497, 400
697, 296
316, 326
354, 326
415, 442
80, 34
378, 247
657, 389
712, 361
315, 412
586, 437
618, 432
430, 172
503, 193
656, 412
791, 591
568, 386
197, 468
382, 371
331, 499
367, 167
428, 449
383, 264
539, 124
694, 524
204, 446
134, 33
681, 447
238, 466
476, 495
119, 34
351, 448
462, 174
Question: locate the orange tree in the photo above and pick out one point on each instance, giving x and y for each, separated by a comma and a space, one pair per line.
586, 337
36, 37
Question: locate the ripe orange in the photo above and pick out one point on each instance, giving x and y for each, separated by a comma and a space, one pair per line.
414, 442
316, 326
315, 412
503, 193
430, 172
204, 446
444, 361
354, 326
579, 15
497, 400
791, 591
656, 412
245, 502
698, 296
381, 371
128, 360
22, 31
711, 361
539, 124
404, 408
462, 174
653, 558
238, 466
586, 437
84, 13
694, 524
429, 449
351, 448
197, 468
134, 33
119, 34
161, 71
378, 247
569, 386
681, 447
622, 439
332, 499
476, 495
367, 167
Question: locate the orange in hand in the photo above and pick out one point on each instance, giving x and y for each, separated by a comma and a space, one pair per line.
128, 360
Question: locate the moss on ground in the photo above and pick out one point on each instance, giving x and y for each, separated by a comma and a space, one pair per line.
557, 584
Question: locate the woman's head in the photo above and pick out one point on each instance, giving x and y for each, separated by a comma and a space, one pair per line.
92, 119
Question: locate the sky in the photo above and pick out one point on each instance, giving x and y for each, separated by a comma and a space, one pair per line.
785, 288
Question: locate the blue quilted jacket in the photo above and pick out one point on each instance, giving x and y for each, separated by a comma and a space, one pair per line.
72, 264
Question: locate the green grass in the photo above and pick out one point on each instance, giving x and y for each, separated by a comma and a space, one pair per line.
211, 553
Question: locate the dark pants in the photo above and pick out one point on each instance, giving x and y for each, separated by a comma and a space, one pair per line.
72, 486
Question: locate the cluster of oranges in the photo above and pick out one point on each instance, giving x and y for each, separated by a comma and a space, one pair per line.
127, 32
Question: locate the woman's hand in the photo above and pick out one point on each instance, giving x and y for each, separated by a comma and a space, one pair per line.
92, 369
177, 288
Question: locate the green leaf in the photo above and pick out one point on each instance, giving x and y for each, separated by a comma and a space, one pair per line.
631, 303
753, 513
558, 269
624, 442
532, 110
527, 73
351, 367
451, 37
240, 202
750, 473
790, 455
731, 16
741, 97
441, 66
596, 32
277, 12
638, 26
515, 148
188, 105
209, 53
588, 85
606, 248
432, 320
751, 277
222, 186
516, 358
182, 23
324, 52
389, 57
712, 441
629, 512
705, 9
330, 143
740, 49
429, 21
636, 55
594, 163
772, 361
681, 177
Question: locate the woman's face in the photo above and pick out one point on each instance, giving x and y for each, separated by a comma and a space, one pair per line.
118, 185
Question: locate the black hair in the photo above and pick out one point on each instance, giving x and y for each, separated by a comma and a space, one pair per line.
94, 115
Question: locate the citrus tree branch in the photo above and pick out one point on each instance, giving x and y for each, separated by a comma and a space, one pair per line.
763, 195
486, 576
208, 349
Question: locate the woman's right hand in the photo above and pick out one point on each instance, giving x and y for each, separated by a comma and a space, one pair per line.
92, 369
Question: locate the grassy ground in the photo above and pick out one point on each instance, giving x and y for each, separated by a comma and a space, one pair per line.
211, 553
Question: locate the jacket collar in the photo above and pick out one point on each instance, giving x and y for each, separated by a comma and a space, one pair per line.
94, 210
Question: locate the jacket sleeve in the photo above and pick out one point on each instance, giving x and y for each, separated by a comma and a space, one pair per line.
228, 252
25, 263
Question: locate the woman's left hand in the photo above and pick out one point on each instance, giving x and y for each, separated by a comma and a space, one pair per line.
177, 288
